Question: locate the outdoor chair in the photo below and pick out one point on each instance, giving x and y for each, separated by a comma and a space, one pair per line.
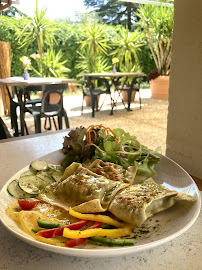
133, 87
50, 108
14, 103
4, 132
90, 89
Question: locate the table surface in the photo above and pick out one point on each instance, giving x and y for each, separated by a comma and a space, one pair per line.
113, 75
182, 253
19, 81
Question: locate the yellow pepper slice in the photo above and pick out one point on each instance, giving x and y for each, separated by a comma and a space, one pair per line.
97, 217
114, 233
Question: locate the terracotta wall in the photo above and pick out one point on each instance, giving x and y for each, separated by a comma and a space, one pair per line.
184, 131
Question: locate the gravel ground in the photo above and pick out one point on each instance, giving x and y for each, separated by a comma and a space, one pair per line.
148, 124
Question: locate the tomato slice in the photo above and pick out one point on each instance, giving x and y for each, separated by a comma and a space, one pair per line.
28, 204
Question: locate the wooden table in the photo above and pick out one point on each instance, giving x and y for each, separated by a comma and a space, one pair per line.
115, 77
14, 82
181, 253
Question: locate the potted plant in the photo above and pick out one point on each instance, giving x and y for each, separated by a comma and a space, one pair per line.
157, 22
27, 65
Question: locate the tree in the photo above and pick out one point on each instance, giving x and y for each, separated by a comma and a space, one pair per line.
12, 12
115, 12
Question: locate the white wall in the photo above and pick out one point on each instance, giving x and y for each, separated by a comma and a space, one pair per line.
184, 131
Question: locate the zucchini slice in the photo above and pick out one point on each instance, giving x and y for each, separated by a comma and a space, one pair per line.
15, 191
38, 165
47, 179
55, 167
26, 173
32, 184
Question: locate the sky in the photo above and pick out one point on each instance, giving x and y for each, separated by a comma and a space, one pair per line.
55, 8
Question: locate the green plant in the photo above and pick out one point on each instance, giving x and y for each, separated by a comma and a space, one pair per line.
39, 28
127, 45
52, 65
157, 22
93, 47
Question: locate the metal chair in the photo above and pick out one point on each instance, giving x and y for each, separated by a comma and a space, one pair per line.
4, 133
89, 89
14, 104
134, 86
48, 109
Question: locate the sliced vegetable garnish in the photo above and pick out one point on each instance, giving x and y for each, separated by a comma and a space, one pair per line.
59, 231
15, 191
78, 241
47, 224
97, 217
112, 242
97, 232
28, 204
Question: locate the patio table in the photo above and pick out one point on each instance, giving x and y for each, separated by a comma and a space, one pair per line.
16, 82
115, 77
184, 252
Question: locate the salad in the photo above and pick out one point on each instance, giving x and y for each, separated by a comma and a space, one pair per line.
116, 146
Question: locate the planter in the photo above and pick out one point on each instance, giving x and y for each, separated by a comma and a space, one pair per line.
54, 98
160, 87
125, 96
72, 88
88, 100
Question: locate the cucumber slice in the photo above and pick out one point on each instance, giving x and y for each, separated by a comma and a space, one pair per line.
56, 167
15, 191
26, 173
32, 184
46, 178
38, 165
57, 175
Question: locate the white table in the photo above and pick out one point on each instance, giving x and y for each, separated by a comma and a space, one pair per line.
182, 253
20, 81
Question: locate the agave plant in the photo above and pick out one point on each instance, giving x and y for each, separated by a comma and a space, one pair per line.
157, 22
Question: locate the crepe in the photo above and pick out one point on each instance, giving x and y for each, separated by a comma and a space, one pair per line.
136, 203
80, 186
113, 171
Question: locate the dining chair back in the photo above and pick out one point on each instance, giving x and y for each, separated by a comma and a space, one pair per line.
90, 89
51, 106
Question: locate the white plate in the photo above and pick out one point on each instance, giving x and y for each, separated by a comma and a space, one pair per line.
163, 227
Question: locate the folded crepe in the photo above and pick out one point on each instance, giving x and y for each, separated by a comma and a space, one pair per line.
134, 204
113, 171
82, 189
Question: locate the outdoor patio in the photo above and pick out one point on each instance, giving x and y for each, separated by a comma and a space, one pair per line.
148, 124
